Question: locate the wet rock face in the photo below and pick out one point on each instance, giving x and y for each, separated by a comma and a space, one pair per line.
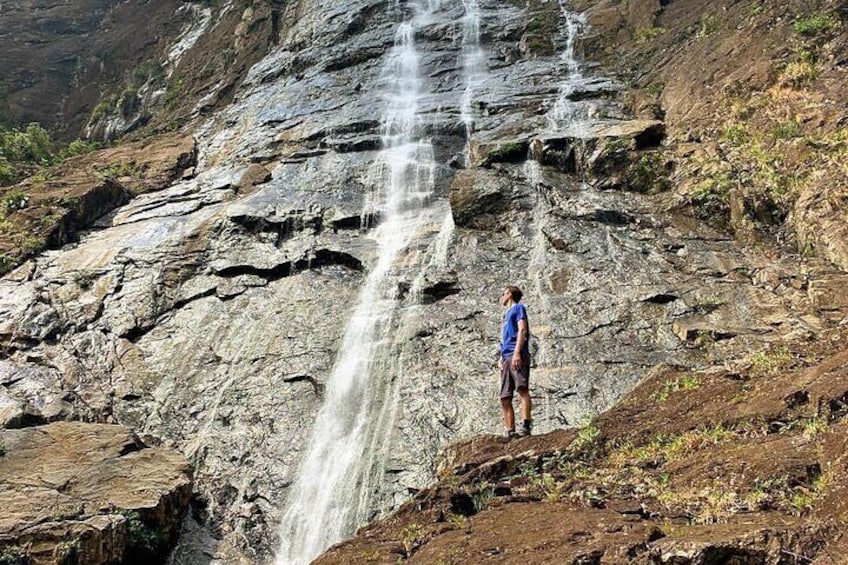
89, 493
210, 313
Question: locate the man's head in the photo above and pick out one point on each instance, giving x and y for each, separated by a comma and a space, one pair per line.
511, 294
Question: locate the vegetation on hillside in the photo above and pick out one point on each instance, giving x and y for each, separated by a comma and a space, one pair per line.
25, 151
760, 128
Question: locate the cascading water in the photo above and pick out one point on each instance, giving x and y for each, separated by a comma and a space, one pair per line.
473, 61
330, 496
564, 113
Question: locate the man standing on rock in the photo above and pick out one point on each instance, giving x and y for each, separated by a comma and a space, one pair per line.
514, 361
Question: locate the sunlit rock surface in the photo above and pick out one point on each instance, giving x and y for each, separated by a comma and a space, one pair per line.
209, 313
89, 493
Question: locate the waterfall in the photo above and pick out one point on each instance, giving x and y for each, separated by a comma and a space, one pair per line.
563, 114
331, 494
473, 61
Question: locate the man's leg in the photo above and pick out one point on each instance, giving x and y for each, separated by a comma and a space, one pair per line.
508, 414
524, 395
526, 403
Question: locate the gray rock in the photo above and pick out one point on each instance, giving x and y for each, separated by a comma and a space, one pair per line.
211, 318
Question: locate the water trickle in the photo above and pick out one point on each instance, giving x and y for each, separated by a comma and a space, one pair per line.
334, 488
538, 253
473, 62
566, 114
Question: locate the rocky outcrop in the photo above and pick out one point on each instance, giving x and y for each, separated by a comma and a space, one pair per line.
61, 55
729, 465
92, 494
753, 94
210, 312
54, 208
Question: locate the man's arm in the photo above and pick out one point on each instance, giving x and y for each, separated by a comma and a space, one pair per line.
519, 343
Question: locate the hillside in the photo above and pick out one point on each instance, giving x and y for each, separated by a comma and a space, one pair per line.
279, 266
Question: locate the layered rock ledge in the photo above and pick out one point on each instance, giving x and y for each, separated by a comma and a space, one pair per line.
741, 464
78, 493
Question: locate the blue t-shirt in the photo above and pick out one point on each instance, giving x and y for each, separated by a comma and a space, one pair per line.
510, 332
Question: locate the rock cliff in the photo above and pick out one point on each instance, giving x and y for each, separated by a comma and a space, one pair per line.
76, 493
208, 308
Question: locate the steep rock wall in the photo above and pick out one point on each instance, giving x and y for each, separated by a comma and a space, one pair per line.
210, 313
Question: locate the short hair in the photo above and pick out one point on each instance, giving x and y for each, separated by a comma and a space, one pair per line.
515, 292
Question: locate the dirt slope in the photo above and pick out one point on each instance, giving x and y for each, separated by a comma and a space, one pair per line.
752, 94
735, 465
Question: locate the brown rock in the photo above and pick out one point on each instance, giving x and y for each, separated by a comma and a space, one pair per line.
89, 488
83, 189
255, 175
643, 13
829, 293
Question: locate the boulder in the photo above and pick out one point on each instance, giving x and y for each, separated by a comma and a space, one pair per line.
476, 197
622, 155
74, 492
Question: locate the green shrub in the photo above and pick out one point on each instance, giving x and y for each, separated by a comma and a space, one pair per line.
78, 147
736, 135
144, 543
711, 200
29, 145
813, 25
645, 35
787, 130
13, 555
649, 175
707, 26
682, 384
12, 202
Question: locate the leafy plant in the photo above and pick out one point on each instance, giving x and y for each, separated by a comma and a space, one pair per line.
12, 202
143, 541
645, 35
458, 521
410, 538
67, 552
813, 25
119, 169
799, 72
787, 130
649, 175
586, 442
814, 426
13, 555
671, 386
711, 199
483, 496
736, 135
707, 26
770, 362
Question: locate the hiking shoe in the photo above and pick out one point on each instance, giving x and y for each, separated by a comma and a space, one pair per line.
510, 434
523, 431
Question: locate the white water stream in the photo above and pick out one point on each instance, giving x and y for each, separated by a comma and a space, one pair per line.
564, 114
473, 62
331, 494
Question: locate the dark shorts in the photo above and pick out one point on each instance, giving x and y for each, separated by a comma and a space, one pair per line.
513, 379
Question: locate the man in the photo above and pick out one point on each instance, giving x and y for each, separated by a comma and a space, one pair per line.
514, 361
